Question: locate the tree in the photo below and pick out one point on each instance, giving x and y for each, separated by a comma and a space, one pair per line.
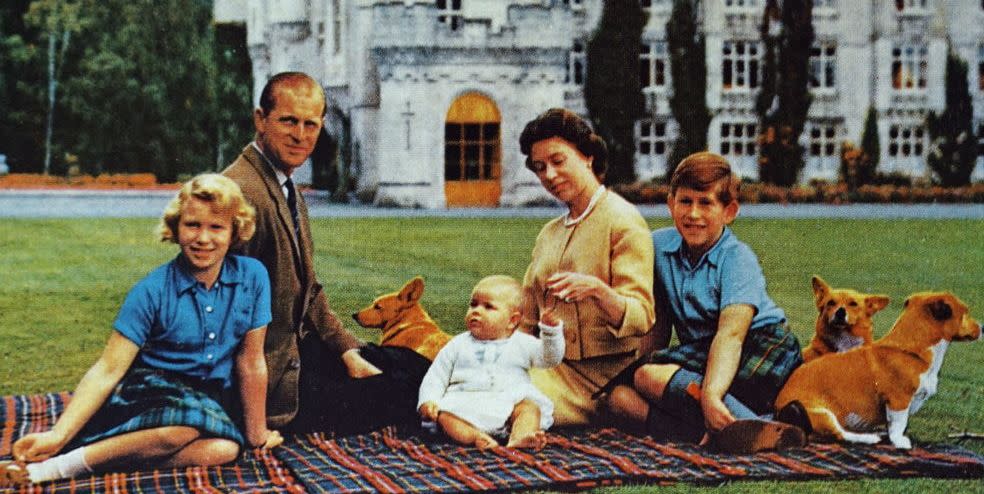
21, 96
784, 99
145, 94
58, 20
860, 166
689, 73
953, 147
612, 90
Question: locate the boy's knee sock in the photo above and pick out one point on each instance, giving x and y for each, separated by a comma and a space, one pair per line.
59, 467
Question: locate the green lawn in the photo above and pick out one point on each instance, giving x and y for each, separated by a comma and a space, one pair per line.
63, 281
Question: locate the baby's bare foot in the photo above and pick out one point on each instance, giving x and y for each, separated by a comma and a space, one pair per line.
485, 441
535, 440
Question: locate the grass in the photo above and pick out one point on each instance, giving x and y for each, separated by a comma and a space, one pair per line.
63, 281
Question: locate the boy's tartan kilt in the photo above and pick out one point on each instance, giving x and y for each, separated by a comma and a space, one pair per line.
768, 356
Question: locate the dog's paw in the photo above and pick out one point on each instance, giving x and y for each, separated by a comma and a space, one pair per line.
863, 438
901, 442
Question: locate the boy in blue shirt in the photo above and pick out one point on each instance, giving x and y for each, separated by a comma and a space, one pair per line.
735, 352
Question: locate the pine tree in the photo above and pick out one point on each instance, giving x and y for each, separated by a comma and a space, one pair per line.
612, 89
784, 99
953, 148
689, 74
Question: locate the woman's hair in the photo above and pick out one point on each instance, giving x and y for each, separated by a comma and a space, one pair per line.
559, 122
704, 171
223, 194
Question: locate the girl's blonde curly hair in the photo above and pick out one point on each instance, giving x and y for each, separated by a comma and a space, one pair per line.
223, 194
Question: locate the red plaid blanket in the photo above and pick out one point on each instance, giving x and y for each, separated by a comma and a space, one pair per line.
390, 460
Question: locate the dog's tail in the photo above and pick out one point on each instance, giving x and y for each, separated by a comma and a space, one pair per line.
794, 413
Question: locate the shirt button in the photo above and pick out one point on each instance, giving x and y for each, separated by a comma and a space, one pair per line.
208, 309
211, 336
208, 357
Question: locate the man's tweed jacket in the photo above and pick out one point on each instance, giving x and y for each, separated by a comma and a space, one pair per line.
299, 303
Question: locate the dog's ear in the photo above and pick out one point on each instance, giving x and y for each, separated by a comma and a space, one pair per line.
940, 310
412, 291
820, 289
875, 303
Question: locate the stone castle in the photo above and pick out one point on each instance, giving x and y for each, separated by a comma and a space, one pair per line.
428, 97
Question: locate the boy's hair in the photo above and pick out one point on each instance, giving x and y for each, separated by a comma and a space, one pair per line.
704, 171
508, 282
222, 193
563, 123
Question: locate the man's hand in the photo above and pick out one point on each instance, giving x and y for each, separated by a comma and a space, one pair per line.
357, 366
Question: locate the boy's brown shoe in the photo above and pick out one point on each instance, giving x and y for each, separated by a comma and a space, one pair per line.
746, 436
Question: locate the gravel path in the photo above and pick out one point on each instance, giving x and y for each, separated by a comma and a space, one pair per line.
144, 204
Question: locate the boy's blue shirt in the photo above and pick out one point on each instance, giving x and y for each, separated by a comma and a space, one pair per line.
727, 274
182, 327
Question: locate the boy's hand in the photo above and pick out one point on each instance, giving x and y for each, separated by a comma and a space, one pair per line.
716, 415
548, 318
37, 446
429, 411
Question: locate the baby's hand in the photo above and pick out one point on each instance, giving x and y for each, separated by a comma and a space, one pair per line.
548, 318
429, 411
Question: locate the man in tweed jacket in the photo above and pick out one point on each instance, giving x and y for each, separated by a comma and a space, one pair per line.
308, 350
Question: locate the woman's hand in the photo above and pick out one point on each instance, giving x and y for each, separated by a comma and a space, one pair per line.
574, 287
38, 446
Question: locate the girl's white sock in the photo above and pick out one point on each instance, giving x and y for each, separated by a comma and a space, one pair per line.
59, 467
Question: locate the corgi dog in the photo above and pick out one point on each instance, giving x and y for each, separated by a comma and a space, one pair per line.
849, 395
404, 321
844, 319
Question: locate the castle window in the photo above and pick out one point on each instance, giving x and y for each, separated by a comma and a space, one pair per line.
653, 62
903, 5
822, 139
738, 139
574, 4
909, 66
449, 13
651, 138
741, 4
740, 69
576, 59
823, 58
905, 140
824, 4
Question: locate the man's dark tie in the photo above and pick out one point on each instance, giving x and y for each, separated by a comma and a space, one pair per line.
292, 204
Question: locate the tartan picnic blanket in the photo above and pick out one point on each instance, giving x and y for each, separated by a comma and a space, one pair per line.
391, 460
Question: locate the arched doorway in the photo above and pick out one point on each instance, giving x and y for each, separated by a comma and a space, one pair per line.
472, 152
